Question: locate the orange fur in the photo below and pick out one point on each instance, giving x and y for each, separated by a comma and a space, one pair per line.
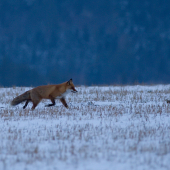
52, 92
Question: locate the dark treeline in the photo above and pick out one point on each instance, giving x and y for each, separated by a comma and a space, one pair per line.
91, 41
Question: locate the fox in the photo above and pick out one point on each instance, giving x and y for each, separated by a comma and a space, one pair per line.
52, 92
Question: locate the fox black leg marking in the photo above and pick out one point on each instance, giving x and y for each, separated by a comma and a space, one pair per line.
53, 102
26, 103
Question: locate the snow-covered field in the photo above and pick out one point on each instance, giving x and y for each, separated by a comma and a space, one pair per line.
105, 128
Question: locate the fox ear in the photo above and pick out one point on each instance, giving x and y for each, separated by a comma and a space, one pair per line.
69, 81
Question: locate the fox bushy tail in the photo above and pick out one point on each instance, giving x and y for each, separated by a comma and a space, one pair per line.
21, 98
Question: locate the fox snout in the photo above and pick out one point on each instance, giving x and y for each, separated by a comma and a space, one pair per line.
71, 86
74, 90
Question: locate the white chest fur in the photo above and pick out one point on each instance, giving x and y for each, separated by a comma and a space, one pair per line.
64, 94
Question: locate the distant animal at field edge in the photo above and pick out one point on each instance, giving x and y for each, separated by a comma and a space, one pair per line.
168, 101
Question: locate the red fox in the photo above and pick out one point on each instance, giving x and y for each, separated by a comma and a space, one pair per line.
52, 92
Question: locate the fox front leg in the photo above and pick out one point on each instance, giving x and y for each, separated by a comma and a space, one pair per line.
53, 102
64, 102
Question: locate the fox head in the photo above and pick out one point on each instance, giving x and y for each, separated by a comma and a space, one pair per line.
71, 86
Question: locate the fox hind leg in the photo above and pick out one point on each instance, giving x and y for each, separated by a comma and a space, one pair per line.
35, 98
26, 103
34, 105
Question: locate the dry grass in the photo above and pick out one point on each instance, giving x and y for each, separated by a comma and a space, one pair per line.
114, 124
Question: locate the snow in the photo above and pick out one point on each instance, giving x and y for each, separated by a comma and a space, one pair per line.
109, 127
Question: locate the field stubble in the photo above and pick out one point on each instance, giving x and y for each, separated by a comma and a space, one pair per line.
104, 127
